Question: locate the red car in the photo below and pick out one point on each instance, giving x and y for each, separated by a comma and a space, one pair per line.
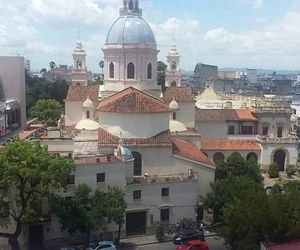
194, 245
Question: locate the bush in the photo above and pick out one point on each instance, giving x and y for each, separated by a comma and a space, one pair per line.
273, 171
159, 231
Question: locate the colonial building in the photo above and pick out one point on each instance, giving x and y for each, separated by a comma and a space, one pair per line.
173, 72
79, 75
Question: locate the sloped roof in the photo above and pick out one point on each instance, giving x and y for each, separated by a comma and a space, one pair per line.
131, 100
223, 115
106, 139
290, 245
190, 151
81, 93
180, 94
229, 145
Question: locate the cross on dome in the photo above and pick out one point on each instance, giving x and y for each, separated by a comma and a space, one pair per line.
131, 7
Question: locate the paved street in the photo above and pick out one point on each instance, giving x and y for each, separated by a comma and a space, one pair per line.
215, 243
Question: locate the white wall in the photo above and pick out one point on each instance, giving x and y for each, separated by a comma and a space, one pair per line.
73, 113
212, 129
186, 114
134, 125
182, 200
120, 56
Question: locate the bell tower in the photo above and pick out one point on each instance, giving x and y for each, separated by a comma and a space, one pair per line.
79, 72
173, 73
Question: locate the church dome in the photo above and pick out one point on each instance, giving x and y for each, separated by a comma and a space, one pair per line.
131, 29
88, 103
87, 124
176, 126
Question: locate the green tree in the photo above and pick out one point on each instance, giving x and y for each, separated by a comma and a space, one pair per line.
27, 176
161, 74
77, 213
40, 88
47, 111
236, 166
117, 207
224, 191
253, 216
273, 170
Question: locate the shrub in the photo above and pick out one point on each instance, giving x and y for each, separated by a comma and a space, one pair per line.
273, 171
159, 231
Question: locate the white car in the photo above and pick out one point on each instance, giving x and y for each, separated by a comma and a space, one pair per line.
104, 245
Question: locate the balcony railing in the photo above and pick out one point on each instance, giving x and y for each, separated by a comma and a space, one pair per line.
267, 139
161, 179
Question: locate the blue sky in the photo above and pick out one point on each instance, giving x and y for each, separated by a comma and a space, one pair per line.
227, 33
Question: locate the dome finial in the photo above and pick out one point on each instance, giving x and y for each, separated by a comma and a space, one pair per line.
131, 7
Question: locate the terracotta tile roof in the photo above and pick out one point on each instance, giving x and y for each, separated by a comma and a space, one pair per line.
291, 245
80, 93
181, 94
131, 100
190, 151
106, 139
245, 114
223, 115
229, 145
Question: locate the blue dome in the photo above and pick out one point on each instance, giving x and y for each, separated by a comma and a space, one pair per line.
131, 30
126, 154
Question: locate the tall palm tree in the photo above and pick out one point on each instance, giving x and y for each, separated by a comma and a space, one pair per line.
52, 66
101, 65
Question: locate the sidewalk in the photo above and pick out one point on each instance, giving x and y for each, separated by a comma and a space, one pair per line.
151, 239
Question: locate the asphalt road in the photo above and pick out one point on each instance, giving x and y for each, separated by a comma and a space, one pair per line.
215, 243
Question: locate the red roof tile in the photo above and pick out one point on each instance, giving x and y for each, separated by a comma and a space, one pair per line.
190, 151
229, 145
131, 100
223, 115
180, 94
291, 245
106, 139
80, 93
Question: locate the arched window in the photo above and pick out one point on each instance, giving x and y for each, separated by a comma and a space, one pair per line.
252, 156
149, 71
111, 70
137, 164
173, 84
88, 115
137, 5
130, 5
130, 70
174, 115
219, 158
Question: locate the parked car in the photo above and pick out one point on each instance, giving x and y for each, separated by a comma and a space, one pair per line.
103, 245
194, 245
188, 235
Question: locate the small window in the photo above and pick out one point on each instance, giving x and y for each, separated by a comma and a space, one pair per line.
88, 116
265, 131
130, 5
174, 115
246, 130
165, 192
165, 214
71, 180
279, 132
101, 177
149, 71
137, 194
111, 70
130, 71
231, 130
4, 210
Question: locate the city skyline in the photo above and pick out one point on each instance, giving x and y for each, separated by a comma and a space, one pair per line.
231, 33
